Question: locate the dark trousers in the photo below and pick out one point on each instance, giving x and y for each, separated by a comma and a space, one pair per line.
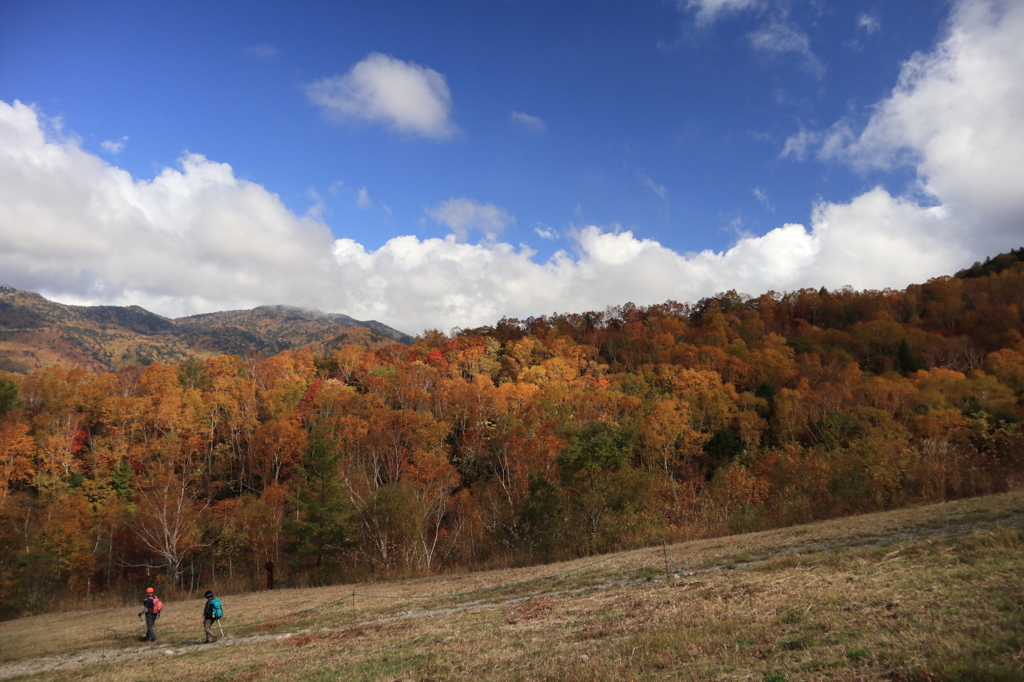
151, 626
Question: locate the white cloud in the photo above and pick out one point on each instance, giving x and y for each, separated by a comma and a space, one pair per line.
798, 144
868, 23
114, 146
709, 10
188, 240
762, 197
262, 51
776, 36
655, 187
545, 231
833, 142
316, 209
957, 116
780, 37
876, 241
879, 241
463, 215
531, 123
363, 199
197, 238
410, 98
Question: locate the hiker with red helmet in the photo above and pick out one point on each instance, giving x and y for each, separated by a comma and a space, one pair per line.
151, 608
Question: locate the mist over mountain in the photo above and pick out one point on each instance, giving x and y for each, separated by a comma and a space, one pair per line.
36, 332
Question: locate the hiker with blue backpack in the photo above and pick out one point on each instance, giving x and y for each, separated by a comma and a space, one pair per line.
212, 612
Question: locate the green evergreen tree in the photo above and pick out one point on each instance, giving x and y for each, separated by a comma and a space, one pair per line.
8, 396
905, 362
605, 493
542, 518
598, 446
320, 528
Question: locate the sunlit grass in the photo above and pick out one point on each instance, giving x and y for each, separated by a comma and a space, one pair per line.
932, 593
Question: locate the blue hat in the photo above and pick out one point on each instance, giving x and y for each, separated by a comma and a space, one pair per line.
208, 594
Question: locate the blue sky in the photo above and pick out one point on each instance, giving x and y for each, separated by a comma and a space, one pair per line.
443, 164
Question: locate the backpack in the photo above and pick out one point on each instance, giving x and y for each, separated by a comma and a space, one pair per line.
216, 609
158, 606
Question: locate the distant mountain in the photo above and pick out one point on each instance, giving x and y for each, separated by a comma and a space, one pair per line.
36, 332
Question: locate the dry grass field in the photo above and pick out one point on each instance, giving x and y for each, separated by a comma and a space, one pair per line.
930, 594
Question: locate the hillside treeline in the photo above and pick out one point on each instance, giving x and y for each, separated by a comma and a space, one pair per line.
530, 440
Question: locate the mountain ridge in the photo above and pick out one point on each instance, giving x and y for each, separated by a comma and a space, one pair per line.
36, 332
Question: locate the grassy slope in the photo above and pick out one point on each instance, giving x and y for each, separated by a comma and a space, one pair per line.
928, 593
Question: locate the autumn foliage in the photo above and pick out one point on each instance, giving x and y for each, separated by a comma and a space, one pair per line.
526, 441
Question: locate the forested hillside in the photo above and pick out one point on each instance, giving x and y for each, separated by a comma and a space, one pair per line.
529, 440
35, 333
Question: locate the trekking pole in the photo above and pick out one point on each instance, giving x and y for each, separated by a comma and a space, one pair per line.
221, 628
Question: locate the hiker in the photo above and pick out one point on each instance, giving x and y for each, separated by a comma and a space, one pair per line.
212, 612
151, 608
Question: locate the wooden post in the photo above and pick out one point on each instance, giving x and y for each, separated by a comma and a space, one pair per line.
664, 544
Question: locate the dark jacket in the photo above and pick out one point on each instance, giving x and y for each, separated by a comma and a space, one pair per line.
147, 605
208, 609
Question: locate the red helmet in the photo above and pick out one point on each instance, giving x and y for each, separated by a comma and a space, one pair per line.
149, 590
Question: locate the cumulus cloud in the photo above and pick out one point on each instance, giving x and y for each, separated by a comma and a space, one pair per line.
780, 37
363, 199
114, 146
762, 197
709, 10
868, 23
957, 116
463, 215
875, 241
531, 123
800, 144
262, 51
660, 190
545, 231
196, 238
409, 98
316, 209
777, 36
190, 239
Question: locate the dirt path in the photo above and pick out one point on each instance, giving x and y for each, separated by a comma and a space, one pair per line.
760, 547
78, 660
